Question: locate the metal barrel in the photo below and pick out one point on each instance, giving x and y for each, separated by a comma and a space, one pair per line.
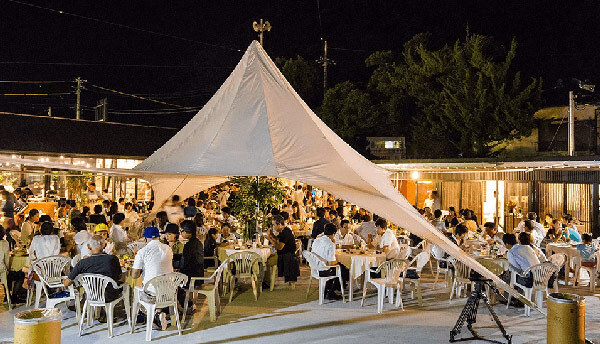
565, 319
38, 325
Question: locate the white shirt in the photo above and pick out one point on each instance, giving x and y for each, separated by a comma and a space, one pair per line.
43, 246
4, 255
132, 216
93, 196
347, 239
538, 233
298, 196
223, 198
324, 248
81, 239
388, 239
121, 208
154, 259
174, 213
27, 229
522, 257
117, 233
365, 229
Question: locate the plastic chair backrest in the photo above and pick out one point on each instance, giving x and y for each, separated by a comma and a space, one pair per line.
391, 270
541, 273
165, 288
50, 268
421, 259
219, 272
437, 252
462, 270
558, 259
404, 251
313, 263
95, 287
244, 261
136, 246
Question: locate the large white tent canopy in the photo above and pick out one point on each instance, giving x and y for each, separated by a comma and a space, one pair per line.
257, 125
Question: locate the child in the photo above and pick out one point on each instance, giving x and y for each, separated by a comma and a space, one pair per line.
587, 250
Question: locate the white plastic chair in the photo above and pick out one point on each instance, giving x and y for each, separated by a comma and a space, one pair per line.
423, 246
246, 266
50, 271
95, 289
313, 262
4, 282
559, 260
541, 275
135, 246
405, 251
390, 279
439, 254
165, 295
460, 279
419, 262
592, 271
210, 289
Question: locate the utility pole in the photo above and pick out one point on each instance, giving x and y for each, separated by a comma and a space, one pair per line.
325, 62
78, 93
571, 124
261, 28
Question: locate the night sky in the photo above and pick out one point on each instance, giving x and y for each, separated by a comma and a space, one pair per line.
197, 44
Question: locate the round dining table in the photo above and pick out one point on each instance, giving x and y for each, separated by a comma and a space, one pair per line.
568, 250
357, 263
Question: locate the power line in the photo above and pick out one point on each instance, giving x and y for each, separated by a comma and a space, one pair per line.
33, 82
134, 96
111, 65
121, 25
35, 94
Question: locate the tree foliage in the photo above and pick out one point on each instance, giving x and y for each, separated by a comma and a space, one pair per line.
303, 76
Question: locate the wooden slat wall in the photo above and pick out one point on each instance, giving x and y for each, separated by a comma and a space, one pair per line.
551, 199
451, 195
520, 190
579, 205
472, 198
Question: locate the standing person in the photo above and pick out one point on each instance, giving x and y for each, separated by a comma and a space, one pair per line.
298, 195
319, 225
28, 227
324, 248
192, 259
433, 202
15, 278
92, 194
285, 244
8, 209
223, 197
174, 210
154, 259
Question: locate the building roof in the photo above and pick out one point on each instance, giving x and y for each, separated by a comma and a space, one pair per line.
28, 134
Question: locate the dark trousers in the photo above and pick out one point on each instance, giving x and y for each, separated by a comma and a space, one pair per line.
17, 277
333, 284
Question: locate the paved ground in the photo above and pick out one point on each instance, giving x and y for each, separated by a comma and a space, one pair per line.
286, 316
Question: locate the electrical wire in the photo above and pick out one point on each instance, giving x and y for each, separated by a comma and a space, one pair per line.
33, 82
35, 94
122, 25
110, 65
134, 96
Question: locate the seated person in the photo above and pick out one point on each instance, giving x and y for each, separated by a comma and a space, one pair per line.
521, 256
460, 235
45, 245
344, 238
226, 234
118, 235
587, 251
437, 222
98, 262
324, 248
16, 295
192, 260
285, 244
536, 237
210, 245
154, 259
98, 217
172, 239
102, 230
389, 243
81, 237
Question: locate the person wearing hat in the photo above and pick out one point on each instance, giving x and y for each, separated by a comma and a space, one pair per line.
171, 238
192, 260
154, 259
102, 230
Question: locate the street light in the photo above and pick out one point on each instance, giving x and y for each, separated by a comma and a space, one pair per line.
260, 28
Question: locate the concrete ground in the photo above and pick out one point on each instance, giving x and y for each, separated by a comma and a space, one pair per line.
287, 316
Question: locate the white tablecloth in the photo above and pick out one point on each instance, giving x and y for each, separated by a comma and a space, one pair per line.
264, 253
357, 264
567, 250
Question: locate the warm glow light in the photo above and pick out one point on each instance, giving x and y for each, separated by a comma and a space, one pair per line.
62, 157
415, 175
14, 156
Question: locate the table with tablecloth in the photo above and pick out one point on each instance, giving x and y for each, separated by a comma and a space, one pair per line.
568, 250
268, 258
357, 264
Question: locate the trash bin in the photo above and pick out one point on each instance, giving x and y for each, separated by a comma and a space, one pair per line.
38, 325
565, 319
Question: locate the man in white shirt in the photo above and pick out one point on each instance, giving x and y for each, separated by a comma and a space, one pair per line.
44, 245
343, 236
537, 227
226, 217
536, 237
118, 234
324, 248
433, 202
174, 210
130, 214
389, 243
298, 195
121, 205
366, 228
92, 194
154, 259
